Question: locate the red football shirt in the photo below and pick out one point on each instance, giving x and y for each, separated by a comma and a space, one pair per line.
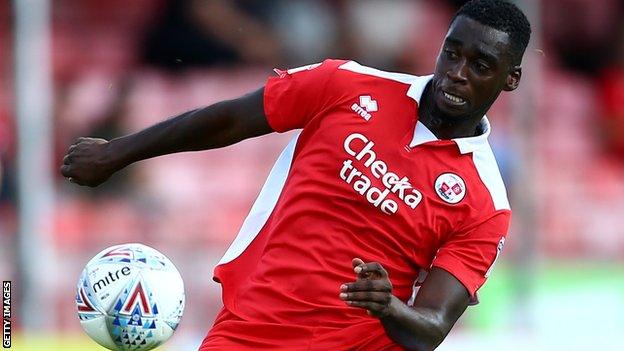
363, 179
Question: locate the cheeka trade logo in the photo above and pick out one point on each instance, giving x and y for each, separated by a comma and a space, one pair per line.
360, 147
450, 187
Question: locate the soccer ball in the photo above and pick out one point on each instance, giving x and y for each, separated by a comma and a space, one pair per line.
130, 297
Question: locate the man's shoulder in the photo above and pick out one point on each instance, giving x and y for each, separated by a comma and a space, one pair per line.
411, 85
355, 67
350, 67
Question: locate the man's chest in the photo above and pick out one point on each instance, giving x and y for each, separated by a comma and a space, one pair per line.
358, 155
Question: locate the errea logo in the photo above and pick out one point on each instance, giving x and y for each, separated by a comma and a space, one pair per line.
366, 106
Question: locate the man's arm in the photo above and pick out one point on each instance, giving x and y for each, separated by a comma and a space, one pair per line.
440, 301
91, 161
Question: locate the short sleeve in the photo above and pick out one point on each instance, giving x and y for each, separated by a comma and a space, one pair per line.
469, 256
297, 95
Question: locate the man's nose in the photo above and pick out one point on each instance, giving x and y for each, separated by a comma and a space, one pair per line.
459, 72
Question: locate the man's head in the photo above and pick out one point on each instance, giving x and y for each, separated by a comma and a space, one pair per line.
503, 16
480, 57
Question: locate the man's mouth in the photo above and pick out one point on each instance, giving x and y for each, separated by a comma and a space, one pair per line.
454, 99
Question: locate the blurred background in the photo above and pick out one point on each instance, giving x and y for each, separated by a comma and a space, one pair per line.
106, 68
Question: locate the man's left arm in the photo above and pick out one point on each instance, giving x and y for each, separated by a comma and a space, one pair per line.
440, 301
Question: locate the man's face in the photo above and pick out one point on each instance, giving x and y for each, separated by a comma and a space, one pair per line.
473, 67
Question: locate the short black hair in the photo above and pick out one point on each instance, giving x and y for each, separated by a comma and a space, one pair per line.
504, 16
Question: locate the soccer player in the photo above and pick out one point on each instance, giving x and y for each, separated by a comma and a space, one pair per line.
381, 219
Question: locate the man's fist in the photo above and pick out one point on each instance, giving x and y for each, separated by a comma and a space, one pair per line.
88, 162
372, 289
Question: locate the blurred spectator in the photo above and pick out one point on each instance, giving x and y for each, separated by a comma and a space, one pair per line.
219, 32
379, 30
7, 130
428, 25
611, 98
308, 30
581, 31
6, 151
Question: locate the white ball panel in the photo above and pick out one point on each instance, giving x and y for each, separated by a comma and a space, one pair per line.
97, 330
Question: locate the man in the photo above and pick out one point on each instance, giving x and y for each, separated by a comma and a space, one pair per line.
390, 171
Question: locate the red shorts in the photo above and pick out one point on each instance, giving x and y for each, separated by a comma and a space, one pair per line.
230, 332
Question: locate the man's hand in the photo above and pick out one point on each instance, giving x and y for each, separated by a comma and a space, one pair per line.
88, 162
372, 290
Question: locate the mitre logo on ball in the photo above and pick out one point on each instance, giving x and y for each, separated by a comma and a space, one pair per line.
450, 187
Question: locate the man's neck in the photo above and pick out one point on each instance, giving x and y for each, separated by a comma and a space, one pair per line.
446, 127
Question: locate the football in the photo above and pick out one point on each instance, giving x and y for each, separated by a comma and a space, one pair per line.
130, 297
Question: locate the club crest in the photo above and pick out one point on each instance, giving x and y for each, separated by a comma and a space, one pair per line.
450, 187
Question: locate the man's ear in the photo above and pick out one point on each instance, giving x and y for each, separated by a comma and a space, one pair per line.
513, 79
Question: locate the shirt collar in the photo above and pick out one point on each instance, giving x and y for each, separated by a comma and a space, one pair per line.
422, 134
472, 144
417, 86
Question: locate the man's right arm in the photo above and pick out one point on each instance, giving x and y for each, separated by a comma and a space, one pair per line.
91, 161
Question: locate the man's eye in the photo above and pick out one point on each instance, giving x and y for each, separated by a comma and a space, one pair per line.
450, 54
482, 67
